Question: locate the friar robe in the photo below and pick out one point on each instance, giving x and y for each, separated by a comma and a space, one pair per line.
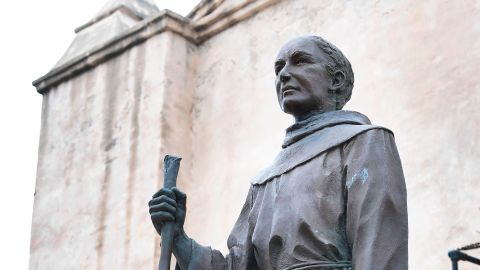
334, 198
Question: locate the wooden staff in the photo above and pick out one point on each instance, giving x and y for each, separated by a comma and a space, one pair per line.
171, 164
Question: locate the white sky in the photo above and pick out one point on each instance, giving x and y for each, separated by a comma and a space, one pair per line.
35, 34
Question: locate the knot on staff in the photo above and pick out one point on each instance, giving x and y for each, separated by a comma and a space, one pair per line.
171, 165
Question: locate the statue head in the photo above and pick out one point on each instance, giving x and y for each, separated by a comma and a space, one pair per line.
312, 75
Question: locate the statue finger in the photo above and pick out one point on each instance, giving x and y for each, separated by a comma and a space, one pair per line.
178, 193
164, 191
181, 197
162, 217
161, 199
162, 207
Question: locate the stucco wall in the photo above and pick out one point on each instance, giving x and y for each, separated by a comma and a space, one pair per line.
104, 135
415, 65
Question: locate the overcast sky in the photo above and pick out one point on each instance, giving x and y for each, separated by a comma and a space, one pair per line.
35, 36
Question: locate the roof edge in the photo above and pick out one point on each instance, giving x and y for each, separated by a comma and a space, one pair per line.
165, 20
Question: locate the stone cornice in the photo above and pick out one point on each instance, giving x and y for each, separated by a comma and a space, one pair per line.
198, 30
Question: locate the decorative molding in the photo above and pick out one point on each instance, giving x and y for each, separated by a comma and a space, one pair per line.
209, 18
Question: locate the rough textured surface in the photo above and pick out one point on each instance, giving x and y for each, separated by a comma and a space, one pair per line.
104, 135
105, 131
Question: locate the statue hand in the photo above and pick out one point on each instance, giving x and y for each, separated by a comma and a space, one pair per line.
168, 205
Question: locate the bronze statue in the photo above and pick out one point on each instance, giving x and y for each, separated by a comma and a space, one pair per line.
333, 198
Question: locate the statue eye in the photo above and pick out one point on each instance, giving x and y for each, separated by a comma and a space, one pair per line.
300, 60
278, 68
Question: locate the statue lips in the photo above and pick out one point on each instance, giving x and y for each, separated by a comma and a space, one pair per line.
289, 90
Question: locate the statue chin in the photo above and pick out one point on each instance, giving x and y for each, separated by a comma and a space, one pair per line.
302, 110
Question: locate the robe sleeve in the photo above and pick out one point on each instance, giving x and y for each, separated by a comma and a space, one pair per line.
376, 202
240, 257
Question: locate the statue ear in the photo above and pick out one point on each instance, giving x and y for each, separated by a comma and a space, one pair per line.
338, 80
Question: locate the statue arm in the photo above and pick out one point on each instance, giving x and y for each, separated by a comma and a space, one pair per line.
377, 226
193, 256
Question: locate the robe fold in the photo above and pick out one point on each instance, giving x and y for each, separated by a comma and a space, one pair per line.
333, 198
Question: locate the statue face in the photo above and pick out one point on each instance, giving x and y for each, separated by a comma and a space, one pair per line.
302, 81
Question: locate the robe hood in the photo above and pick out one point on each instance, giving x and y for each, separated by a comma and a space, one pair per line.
319, 121
311, 137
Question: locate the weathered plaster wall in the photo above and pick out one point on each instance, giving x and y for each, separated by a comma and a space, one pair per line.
415, 64
104, 135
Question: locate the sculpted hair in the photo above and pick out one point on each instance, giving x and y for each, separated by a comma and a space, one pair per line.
337, 62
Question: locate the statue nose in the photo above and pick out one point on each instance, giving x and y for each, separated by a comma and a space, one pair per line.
284, 78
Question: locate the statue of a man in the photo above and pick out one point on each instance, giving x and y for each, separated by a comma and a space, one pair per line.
334, 197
